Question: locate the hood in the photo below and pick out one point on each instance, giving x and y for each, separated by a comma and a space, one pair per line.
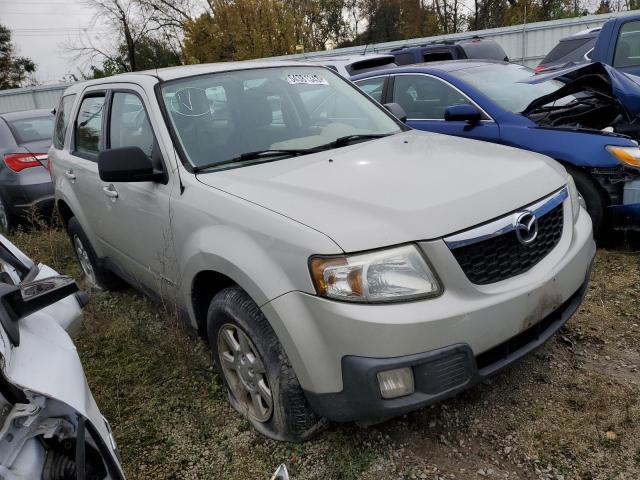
407, 187
596, 77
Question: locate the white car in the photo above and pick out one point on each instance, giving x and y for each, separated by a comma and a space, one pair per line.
341, 265
50, 426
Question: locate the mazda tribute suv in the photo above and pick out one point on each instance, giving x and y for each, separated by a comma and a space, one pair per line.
342, 266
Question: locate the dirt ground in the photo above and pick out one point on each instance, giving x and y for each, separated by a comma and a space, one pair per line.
569, 411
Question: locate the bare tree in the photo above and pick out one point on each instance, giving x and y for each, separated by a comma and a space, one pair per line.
125, 20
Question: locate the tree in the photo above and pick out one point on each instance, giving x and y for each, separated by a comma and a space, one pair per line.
14, 70
150, 53
241, 30
126, 20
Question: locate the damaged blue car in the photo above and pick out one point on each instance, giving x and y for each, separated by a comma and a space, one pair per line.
585, 117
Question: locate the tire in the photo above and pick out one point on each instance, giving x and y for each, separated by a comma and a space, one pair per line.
289, 417
95, 274
594, 198
6, 218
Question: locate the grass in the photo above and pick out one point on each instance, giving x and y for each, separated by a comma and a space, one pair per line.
549, 415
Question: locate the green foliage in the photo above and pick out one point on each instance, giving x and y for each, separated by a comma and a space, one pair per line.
150, 53
14, 70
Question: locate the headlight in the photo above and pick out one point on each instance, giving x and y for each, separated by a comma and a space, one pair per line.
394, 274
629, 156
576, 198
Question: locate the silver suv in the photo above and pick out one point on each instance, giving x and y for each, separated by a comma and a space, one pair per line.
342, 266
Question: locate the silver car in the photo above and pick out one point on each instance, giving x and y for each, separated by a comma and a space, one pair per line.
25, 183
342, 266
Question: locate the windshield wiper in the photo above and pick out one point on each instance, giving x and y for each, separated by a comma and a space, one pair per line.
293, 152
347, 139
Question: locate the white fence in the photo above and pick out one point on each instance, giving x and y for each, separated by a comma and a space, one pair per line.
526, 44
30, 98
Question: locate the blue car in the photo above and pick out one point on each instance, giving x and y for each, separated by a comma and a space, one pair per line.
585, 117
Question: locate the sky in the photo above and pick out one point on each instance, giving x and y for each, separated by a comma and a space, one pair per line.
41, 29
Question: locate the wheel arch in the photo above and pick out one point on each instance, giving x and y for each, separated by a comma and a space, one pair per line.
204, 286
65, 212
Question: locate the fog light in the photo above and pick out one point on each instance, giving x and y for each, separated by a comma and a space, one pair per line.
396, 383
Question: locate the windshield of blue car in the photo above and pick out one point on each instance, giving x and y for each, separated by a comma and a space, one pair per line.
500, 82
225, 116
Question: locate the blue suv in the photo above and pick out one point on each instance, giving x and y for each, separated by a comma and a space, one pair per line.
585, 117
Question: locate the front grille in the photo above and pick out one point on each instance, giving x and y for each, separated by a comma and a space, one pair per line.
503, 256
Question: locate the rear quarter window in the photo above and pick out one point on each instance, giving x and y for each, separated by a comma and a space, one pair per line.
404, 58
62, 120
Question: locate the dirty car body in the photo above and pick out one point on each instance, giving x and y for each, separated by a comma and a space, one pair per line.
304, 208
50, 426
585, 117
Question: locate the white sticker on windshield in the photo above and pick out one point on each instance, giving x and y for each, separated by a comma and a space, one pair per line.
306, 79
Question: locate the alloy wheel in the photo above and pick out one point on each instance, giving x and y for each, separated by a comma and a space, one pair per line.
244, 372
83, 258
4, 218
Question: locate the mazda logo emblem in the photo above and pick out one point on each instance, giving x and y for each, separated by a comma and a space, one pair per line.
526, 227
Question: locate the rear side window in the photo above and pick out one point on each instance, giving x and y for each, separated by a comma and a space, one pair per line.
62, 120
437, 56
129, 125
404, 58
32, 129
628, 46
373, 87
564, 48
89, 125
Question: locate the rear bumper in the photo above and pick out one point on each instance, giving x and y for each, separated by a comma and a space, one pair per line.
438, 374
21, 199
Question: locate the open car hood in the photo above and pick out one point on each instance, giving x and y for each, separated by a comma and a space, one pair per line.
595, 77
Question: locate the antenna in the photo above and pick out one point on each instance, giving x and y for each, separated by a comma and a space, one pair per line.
365, 49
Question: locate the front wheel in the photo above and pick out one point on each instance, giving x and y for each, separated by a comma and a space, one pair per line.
260, 381
594, 199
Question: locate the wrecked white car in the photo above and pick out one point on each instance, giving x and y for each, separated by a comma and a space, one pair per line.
50, 425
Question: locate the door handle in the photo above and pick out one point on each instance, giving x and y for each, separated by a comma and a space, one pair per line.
70, 175
110, 192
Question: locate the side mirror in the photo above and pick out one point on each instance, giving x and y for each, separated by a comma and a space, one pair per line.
463, 113
127, 164
17, 302
397, 111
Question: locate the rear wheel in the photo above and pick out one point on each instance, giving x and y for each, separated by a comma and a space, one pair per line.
6, 221
96, 275
260, 381
594, 198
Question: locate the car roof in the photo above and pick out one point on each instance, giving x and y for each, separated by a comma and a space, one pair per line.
346, 59
183, 71
9, 117
442, 66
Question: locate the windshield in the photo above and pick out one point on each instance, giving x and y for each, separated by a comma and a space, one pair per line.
222, 116
500, 83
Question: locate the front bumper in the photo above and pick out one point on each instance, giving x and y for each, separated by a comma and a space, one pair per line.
438, 374
326, 341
